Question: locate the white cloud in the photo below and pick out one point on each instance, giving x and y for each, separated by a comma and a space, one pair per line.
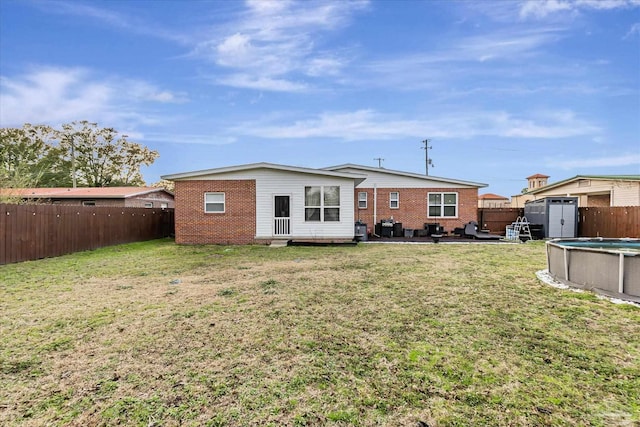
496, 55
634, 30
371, 125
542, 8
275, 40
200, 139
236, 51
506, 45
606, 4
628, 159
549, 125
539, 9
57, 95
248, 81
111, 19
263, 7
144, 91
324, 66
357, 125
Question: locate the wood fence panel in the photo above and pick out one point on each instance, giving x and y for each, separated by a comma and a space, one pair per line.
22, 229
39, 219
30, 232
43, 220
3, 240
611, 222
497, 219
12, 217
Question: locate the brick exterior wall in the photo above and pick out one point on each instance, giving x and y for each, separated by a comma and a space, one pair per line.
412, 211
237, 225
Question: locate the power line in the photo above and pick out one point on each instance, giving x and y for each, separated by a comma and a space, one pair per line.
380, 160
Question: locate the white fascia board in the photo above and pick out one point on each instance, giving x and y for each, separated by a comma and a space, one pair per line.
407, 174
356, 177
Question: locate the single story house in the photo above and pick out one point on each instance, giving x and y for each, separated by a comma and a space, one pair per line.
490, 200
591, 190
262, 202
132, 197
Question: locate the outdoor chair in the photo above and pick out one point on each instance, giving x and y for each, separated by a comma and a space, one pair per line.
471, 231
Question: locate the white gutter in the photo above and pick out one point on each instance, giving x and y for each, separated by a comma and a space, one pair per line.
375, 209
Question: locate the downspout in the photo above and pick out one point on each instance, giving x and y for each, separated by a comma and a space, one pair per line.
375, 209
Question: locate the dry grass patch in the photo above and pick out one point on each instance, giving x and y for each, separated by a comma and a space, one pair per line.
159, 334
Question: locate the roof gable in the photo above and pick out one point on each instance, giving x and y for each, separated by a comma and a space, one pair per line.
579, 177
263, 165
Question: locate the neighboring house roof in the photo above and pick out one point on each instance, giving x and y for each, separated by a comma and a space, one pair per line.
578, 177
82, 192
491, 196
407, 174
358, 177
538, 175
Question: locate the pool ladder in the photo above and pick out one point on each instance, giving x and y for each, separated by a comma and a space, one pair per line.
521, 227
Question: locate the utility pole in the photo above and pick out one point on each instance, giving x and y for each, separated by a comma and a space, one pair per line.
427, 160
380, 160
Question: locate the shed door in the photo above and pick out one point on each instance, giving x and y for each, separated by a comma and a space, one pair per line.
281, 216
555, 220
569, 216
562, 219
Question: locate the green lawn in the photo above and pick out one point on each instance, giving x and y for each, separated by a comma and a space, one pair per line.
155, 334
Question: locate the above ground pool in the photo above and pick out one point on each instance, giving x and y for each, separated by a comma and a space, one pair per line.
607, 266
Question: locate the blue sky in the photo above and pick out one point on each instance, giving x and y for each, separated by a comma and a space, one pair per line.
503, 89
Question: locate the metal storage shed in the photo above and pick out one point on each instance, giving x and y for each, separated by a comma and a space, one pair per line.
557, 215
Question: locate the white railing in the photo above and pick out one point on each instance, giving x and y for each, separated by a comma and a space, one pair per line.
281, 227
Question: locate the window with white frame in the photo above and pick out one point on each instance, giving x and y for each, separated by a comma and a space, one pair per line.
362, 200
331, 203
88, 203
312, 203
148, 205
394, 200
442, 205
214, 203
322, 203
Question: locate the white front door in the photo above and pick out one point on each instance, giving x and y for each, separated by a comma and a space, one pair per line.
281, 218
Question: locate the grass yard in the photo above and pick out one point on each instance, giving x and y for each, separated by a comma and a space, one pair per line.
155, 334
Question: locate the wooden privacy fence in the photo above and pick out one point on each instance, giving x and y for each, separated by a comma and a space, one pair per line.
29, 232
497, 219
609, 222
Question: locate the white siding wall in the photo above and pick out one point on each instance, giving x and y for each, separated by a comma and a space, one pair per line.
626, 194
586, 186
287, 183
390, 180
271, 182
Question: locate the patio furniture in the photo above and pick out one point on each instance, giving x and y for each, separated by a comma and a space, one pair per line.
471, 231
